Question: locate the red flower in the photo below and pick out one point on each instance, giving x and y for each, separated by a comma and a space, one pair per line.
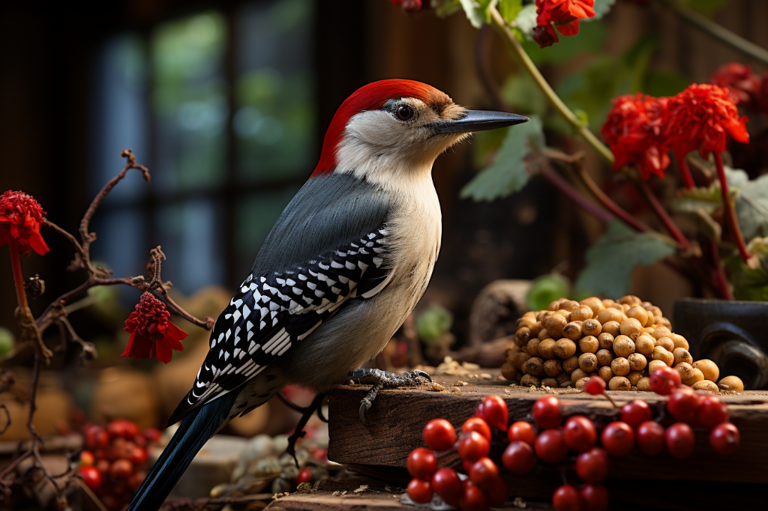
741, 82
700, 117
565, 14
20, 219
152, 333
411, 5
633, 130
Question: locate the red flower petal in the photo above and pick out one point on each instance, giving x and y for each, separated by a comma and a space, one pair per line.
20, 218
152, 332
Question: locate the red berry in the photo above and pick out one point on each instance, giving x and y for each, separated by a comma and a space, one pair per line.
439, 434
518, 458
680, 440
595, 385
497, 494
594, 497
550, 446
420, 491
87, 458
664, 380
96, 437
483, 473
618, 438
152, 435
138, 455
636, 412
477, 424
472, 498
725, 438
592, 466
422, 463
711, 412
546, 412
121, 469
305, 476
103, 465
494, 411
567, 498
91, 476
121, 428
473, 446
579, 433
683, 403
447, 484
521, 431
650, 438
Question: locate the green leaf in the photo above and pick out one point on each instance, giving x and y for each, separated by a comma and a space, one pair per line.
476, 11
508, 172
522, 94
445, 8
526, 21
752, 208
705, 7
592, 88
433, 323
509, 9
547, 289
663, 83
612, 259
602, 7
591, 38
750, 283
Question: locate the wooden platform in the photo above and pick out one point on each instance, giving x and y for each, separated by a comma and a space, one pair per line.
399, 415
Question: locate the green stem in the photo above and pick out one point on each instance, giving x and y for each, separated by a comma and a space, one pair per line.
517, 48
717, 31
18, 277
730, 212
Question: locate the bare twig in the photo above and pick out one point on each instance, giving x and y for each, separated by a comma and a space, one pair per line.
33, 399
8, 416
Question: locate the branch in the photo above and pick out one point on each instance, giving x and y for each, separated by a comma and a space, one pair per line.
717, 31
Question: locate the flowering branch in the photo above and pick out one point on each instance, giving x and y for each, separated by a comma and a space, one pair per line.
717, 31
568, 115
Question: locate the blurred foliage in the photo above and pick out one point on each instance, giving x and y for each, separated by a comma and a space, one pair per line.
611, 261
546, 289
750, 283
6, 341
433, 323
508, 173
706, 7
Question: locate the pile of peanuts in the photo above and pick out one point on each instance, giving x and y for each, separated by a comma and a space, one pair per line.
622, 341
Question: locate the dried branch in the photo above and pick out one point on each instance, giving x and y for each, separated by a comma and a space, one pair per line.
8, 416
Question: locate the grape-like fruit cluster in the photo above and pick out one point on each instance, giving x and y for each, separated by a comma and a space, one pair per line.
114, 462
476, 485
622, 342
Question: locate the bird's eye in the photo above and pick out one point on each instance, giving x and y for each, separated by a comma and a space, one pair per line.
404, 112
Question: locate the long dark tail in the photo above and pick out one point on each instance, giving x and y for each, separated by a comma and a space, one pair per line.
194, 431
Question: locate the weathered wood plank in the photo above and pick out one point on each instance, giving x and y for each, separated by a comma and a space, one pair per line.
398, 417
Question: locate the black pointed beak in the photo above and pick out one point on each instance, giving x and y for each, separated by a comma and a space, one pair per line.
479, 120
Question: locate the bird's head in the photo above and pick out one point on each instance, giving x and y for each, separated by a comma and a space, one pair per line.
399, 126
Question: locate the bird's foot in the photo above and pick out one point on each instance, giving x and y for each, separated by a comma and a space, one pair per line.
383, 379
306, 412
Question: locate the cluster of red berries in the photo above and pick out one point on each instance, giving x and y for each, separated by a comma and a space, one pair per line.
114, 461
551, 442
483, 488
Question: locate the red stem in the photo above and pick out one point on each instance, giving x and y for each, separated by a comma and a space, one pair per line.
566, 189
18, 278
663, 215
608, 202
719, 273
686, 172
730, 213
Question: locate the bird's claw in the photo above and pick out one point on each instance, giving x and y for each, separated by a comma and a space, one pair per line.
381, 379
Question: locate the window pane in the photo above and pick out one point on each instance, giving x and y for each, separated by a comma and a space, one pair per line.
191, 237
274, 118
189, 102
122, 244
119, 116
256, 214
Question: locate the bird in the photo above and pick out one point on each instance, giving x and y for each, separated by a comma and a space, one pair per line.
343, 266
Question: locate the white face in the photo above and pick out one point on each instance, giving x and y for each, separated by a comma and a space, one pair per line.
397, 138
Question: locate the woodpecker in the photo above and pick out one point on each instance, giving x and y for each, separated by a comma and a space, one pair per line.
340, 271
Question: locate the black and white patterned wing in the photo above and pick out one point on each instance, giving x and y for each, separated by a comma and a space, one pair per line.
271, 313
